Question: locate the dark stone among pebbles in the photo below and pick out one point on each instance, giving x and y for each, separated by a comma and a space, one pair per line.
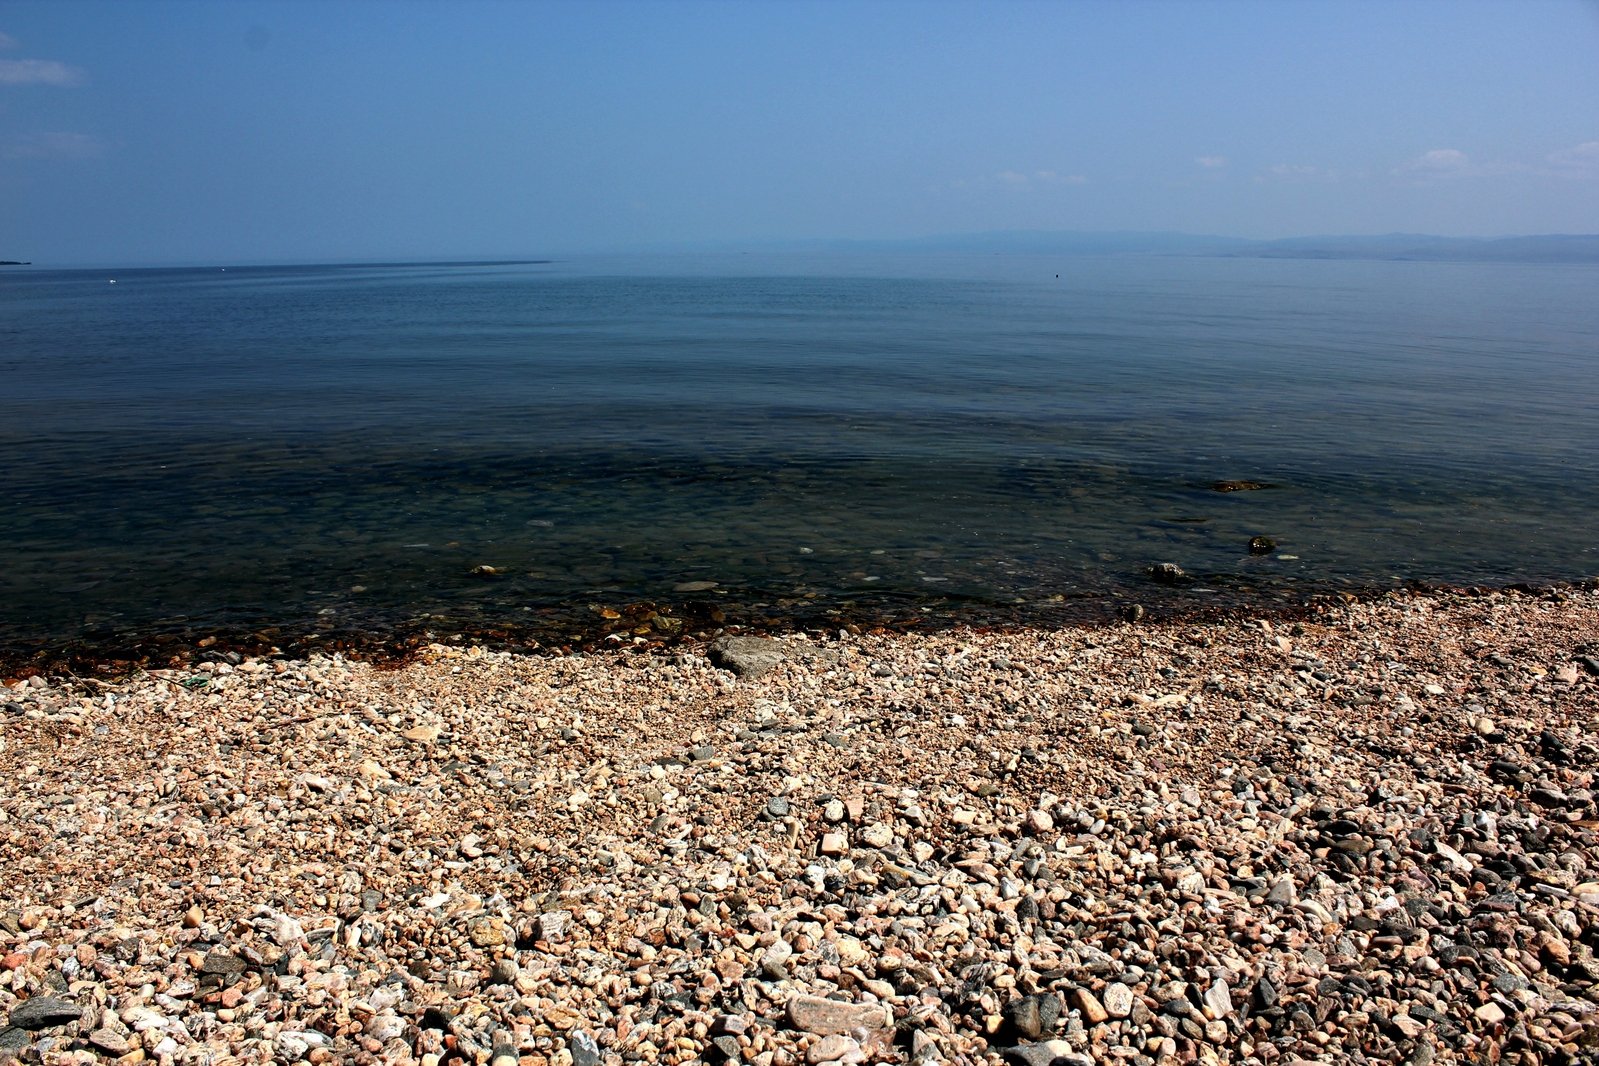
43, 1012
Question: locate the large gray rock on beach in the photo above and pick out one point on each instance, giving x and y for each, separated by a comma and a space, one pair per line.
746, 656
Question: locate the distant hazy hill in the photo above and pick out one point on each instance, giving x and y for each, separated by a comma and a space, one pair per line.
1581, 248
1576, 248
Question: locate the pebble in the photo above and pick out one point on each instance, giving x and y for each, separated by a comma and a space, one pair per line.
1093, 1011
1181, 842
1218, 1001
1117, 999
835, 1048
877, 835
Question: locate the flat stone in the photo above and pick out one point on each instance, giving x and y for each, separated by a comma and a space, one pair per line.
110, 1041
1048, 1053
222, 962
877, 835
833, 1046
43, 1012
746, 656
824, 1017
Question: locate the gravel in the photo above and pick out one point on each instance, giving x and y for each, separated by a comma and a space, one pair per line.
1368, 836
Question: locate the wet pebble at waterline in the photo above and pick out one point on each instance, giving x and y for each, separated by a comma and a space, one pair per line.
1369, 836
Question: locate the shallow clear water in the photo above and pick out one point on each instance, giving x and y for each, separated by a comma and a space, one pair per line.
341, 446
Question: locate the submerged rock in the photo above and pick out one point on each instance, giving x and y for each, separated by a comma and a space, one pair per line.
1168, 574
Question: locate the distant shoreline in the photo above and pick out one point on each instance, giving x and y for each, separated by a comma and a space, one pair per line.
1535, 248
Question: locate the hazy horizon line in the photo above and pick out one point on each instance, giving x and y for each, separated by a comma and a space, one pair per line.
924, 244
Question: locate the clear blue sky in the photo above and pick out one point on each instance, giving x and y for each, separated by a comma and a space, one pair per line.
297, 130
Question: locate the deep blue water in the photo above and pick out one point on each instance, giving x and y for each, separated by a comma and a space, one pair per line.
339, 447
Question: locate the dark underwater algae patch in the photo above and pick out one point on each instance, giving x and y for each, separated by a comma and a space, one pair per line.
650, 625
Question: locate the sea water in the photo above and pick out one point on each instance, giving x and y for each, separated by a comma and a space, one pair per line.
358, 448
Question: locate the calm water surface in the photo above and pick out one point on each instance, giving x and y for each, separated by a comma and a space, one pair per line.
319, 448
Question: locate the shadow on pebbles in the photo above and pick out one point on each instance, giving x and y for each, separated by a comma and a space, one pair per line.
1364, 837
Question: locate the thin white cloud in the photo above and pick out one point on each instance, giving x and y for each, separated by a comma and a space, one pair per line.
7, 42
1015, 179
38, 72
1211, 162
53, 146
1300, 172
1447, 164
1437, 161
1580, 161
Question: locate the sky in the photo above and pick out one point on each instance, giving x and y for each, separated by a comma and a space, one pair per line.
216, 131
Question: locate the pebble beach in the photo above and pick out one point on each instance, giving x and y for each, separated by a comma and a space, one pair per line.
1367, 835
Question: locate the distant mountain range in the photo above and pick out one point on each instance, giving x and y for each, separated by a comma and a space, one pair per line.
1578, 248
1545, 248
